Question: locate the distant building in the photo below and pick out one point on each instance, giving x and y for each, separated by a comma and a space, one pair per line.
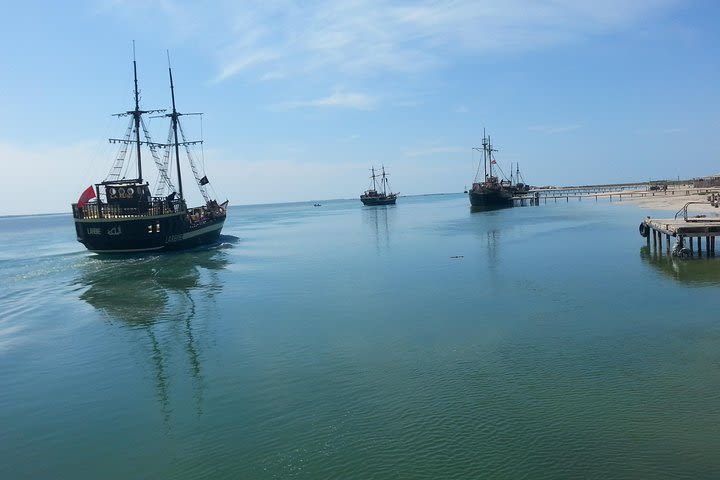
704, 182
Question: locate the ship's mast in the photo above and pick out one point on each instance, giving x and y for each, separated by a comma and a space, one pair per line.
137, 113
488, 146
136, 123
174, 116
384, 181
373, 177
484, 143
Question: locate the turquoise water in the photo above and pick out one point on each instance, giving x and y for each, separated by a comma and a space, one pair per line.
346, 342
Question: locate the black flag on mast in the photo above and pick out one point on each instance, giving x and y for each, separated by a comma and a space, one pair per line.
204, 180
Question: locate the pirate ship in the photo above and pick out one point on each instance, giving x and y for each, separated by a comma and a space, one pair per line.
122, 215
374, 197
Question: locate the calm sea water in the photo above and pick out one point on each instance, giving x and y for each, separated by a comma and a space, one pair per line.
347, 342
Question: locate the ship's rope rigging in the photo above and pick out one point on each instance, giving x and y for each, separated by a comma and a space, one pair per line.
166, 163
163, 178
477, 172
123, 161
117, 167
202, 157
497, 165
121, 165
193, 167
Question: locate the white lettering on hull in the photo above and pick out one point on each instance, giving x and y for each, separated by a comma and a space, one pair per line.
200, 231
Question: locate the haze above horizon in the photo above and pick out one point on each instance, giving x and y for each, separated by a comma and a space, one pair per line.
302, 98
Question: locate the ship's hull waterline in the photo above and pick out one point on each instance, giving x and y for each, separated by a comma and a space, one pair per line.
371, 202
491, 199
146, 234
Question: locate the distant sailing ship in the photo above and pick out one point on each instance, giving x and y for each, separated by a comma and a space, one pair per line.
374, 197
492, 192
125, 217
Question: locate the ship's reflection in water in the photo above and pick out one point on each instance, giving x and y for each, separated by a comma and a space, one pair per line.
700, 272
163, 298
489, 225
487, 208
379, 218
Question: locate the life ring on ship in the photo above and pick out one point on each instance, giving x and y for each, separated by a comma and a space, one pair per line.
130, 192
644, 229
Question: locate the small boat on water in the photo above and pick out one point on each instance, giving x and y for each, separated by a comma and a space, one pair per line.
121, 215
373, 197
492, 192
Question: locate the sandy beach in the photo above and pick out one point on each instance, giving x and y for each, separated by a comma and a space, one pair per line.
672, 200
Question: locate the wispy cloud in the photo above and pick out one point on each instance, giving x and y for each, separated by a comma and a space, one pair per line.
268, 76
375, 37
553, 129
357, 101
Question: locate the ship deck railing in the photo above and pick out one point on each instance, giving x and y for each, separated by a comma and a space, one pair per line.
156, 206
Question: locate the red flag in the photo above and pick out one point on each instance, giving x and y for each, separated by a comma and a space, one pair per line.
493, 161
86, 195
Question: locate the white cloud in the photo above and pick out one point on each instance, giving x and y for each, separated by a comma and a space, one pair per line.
241, 64
374, 37
275, 75
358, 101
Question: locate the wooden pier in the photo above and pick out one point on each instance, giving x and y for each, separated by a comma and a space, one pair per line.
542, 196
688, 232
617, 193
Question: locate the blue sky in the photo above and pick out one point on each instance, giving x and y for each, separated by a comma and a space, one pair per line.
301, 98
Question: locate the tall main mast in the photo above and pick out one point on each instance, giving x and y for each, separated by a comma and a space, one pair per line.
485, 154
384, 180
487, 147
137, 113
174, 115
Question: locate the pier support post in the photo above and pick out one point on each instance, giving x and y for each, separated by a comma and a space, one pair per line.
691, 246
659, 235
699, 246
654, 235
667, 247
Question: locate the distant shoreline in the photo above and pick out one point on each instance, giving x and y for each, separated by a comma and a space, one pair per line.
673, 199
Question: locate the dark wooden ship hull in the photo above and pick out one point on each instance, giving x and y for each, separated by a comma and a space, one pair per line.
491, 198
379, 200
136, 234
